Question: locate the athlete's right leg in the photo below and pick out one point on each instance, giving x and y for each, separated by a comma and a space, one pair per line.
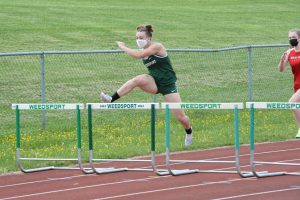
144, 82
296, 99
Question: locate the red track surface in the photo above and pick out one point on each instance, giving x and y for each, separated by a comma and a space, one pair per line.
72, 184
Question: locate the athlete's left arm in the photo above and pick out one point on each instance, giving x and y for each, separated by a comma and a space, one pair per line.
138, 54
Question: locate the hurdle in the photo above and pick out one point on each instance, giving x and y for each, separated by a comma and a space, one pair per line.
123, 106
210, 106
267, 105
51, 106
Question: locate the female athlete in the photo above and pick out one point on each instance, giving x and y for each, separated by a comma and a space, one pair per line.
293, 57
160, 79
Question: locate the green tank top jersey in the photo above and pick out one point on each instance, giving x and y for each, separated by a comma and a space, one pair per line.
160, 68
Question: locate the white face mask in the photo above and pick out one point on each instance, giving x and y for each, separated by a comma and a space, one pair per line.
141, 43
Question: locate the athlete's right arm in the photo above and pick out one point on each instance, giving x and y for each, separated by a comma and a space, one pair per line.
283, 61
139, 54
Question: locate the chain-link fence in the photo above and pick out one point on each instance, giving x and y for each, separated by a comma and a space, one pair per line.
204, 75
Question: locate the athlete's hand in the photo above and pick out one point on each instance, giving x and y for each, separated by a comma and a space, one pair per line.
284, 57
120, 44
283, 61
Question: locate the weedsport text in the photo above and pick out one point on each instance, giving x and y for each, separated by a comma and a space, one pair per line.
283, 105
122, 106
202, 105
47, 106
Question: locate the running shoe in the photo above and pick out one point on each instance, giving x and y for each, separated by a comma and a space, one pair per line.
188, 139
105, 98
298, 135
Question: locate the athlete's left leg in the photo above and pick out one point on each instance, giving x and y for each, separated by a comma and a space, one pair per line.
296, 99
180, 116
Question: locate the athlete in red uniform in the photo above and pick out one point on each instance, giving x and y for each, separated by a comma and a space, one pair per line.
294, 60
293, 57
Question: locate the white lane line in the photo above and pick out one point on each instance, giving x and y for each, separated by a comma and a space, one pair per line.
45, 180
260, 153
104, 184
169, 189
259, 193
54, 179
224, 157
82, 187
257, 164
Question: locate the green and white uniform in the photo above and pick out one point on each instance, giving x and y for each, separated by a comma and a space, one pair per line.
160, 68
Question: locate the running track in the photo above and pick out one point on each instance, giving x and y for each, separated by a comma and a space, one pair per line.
72, 184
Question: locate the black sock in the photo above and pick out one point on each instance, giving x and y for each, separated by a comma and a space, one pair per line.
188, 131
115, 96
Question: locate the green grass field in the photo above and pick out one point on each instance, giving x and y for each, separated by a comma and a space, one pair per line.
89, 25
75, 25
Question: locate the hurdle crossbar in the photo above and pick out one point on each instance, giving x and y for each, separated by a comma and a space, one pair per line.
49, 106
123, 106
209, 106
267, 105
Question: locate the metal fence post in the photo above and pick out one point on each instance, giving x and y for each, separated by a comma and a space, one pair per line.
43, 95
250, 73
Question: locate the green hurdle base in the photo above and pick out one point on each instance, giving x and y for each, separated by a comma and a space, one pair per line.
235, 107
55, 106
92, 160
267, 105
